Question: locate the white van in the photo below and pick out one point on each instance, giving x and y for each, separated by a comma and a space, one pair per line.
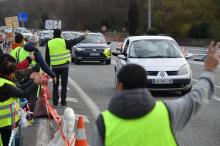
161, 56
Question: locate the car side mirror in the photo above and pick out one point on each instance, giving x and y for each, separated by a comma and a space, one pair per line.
123, 57
115, 53
109, 42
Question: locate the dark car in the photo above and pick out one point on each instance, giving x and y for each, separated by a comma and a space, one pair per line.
91, 49
45, 36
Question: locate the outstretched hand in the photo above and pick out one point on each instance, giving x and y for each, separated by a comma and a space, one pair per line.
213, 56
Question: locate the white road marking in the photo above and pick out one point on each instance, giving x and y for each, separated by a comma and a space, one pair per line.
94, 109
71, 99
43, 132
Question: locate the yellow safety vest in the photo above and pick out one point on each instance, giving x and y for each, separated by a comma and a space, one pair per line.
59, 54
152, 129
5, 107
21, 54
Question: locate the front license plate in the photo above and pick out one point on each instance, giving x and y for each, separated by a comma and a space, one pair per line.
162, 81
94, 54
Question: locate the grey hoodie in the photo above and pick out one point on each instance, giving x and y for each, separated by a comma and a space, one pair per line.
135, 103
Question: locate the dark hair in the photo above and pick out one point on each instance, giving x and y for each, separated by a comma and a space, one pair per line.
57, 33
19, 38
7, 64
132, 76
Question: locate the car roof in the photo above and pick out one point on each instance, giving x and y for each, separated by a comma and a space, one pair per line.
69, 32
80, 33
135, 38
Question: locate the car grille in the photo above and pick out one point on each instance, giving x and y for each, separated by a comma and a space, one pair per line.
152, 73
172, 73
169, 73
93, 50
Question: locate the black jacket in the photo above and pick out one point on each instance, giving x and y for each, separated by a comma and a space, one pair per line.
69, 45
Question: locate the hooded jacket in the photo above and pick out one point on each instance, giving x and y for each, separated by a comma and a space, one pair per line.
129, 104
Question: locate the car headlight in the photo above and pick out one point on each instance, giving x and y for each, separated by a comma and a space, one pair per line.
185, 69
80, 49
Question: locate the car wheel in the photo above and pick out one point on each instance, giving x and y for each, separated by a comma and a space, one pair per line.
77, 61
108, 61
186, 91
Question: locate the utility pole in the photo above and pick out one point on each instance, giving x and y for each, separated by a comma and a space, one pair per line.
149, 14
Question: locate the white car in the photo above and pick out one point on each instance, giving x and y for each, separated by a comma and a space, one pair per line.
161, 56
26, 33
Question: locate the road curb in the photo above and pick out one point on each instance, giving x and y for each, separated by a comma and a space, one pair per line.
43, 132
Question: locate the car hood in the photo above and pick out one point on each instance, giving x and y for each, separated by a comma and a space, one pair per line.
159, 64
92, 45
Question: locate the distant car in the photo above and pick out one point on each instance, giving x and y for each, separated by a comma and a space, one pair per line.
91, 49
45, 36
163, 60
8, 30
200, 57
26, 33
69, 35
20, 29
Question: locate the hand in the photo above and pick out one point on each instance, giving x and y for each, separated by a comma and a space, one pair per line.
32, 56
85, 34
33, 75
213, 57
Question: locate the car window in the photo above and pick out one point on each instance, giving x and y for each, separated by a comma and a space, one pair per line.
94, 38
155, 49
69, 35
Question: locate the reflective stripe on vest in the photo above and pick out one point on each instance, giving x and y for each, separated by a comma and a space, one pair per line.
59, 54
152, 129
5, 107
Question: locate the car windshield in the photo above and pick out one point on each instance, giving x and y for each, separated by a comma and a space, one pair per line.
69, 35
94, 38
155, 49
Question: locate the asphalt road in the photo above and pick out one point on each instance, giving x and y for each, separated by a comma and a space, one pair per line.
97, 81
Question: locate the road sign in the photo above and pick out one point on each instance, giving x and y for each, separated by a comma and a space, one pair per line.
11, 22
23, 17
53, 24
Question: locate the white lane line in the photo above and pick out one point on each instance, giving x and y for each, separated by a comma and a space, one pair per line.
71, 99
43, 132
94, 109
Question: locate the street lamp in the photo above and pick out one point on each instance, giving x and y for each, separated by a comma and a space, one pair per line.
149, 14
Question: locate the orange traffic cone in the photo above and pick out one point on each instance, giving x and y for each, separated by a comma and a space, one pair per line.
81, 139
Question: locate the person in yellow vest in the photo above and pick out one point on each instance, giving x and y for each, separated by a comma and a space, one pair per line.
135, 118
58, 57
10, 93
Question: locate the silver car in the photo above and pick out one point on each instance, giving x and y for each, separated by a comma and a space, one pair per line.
163, 60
